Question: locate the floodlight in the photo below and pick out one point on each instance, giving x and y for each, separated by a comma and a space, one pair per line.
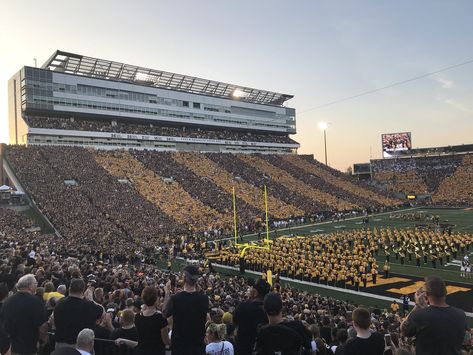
238, 93
323, 125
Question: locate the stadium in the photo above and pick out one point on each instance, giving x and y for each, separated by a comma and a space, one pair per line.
122, 175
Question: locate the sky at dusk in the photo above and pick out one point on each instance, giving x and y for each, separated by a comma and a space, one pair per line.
318, 51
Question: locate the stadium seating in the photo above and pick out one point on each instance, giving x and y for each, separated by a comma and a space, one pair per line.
96, 209
246, 173
290, 182
145, 195
204, 166
150, 129
457, 189
169, 196
333, 180
200, 188
418, 175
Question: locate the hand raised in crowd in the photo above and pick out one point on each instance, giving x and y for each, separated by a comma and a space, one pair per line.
421, 298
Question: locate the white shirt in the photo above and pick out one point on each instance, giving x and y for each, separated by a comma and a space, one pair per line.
216, 348
83, 352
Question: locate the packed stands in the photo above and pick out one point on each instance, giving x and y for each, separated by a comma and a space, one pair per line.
408, 182
250, 191
290, 182
150, 128
169, 196
94, 207
318, 174
457, 189
417, 175
141, 193
200, 188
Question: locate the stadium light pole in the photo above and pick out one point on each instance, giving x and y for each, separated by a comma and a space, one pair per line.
323, 126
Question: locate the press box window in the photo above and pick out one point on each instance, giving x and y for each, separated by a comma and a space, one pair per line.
196, 105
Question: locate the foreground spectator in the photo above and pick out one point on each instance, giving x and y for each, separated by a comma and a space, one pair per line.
127, 328
216, 343
188, 310
24, 317
85, 341
84, 344
342, 336
74, 313
249, 316
281, 336
366, 342
4, 341
439, 328
149, 323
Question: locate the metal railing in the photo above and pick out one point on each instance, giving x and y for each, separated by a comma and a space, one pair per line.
102, 346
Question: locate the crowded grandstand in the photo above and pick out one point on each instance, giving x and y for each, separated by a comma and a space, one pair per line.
164, 213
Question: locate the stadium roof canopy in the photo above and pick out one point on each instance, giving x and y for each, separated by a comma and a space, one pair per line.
78, 64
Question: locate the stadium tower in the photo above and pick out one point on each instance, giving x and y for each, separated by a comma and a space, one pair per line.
76, 100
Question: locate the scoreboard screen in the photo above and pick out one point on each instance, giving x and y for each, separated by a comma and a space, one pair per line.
395, 144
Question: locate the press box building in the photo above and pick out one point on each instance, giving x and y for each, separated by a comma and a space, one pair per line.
77, 100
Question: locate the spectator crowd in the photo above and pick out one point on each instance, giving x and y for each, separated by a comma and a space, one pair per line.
62, 301
447, 178
135, 196
147, 128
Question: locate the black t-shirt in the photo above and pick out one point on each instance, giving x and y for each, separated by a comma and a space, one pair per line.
249, 316
438, 330
280, 338
189, 314
374, 345
149, 334
66, 351
23, 314
4, 339
340, 350
130, 334
326, 334
71, 315
301, 330
102, 347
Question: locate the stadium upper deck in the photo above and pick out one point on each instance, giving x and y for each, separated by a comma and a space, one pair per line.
78, 100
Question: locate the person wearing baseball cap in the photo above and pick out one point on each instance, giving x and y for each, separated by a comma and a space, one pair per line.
249, 316
187, 312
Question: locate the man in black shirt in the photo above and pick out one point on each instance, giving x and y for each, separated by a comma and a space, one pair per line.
366, 342
24, 317
325, 330
74, 313
438, 327
280, 336
4, 340
188, 310
249, 316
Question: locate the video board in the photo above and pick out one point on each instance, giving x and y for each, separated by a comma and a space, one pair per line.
395, 144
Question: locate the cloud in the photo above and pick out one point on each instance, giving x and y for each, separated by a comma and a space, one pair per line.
445, 83
458, 105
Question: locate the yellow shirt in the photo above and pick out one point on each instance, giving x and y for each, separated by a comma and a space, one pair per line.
48, 295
